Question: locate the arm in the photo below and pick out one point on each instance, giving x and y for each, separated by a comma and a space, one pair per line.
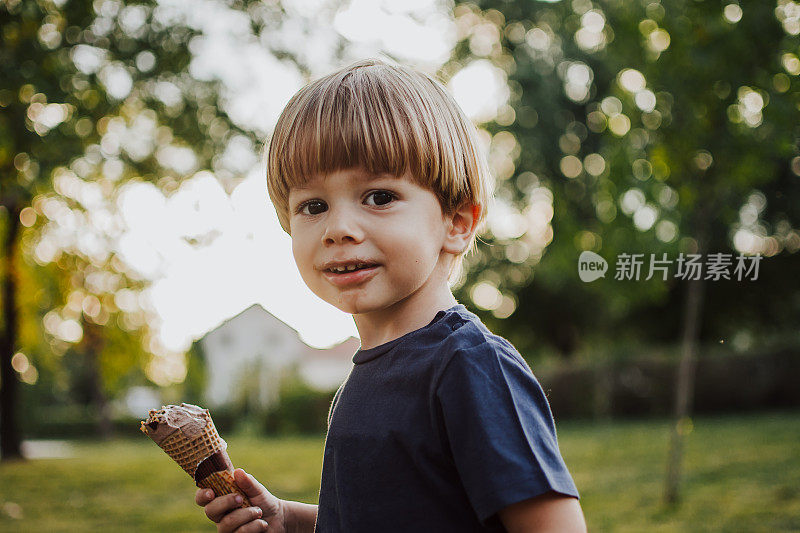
549, 512
268, 513
300, 517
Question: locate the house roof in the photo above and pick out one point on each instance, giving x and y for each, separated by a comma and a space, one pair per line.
243, 311
342, 351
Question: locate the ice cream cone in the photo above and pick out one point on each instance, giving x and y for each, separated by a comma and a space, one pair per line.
188, 435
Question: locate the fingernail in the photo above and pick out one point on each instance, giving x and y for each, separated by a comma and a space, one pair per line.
209, 494
258, 511
238, 499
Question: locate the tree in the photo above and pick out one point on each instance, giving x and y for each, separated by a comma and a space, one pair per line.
92, 92
683, 116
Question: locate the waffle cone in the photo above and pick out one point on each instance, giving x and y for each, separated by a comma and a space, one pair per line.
222, 483
189, 452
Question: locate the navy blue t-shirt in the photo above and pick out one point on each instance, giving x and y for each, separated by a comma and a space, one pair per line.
437, 431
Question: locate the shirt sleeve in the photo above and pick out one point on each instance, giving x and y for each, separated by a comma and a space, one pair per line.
500, 429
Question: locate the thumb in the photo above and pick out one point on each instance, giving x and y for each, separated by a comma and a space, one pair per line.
249, 485
257, 494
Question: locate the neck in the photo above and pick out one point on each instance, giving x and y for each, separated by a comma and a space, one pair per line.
407, 315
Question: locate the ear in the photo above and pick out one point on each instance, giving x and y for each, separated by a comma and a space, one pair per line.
461, 226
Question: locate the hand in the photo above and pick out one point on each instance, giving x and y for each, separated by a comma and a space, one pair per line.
267, 514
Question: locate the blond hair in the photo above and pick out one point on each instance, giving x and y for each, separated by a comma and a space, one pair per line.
386, 119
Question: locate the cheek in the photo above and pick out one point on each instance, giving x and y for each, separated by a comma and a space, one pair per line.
302, 254
415, 250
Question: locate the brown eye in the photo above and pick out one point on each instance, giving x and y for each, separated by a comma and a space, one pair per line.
314, 207
381, 197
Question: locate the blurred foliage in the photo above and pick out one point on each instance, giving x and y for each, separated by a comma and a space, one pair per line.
196, 375
637, 127
77, 76
300, 409
80, 93
630, 385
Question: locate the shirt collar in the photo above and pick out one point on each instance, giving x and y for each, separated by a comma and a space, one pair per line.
362, 356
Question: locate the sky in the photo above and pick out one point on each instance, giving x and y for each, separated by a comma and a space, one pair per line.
245, 257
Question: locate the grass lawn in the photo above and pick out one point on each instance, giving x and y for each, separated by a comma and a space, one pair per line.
742, 473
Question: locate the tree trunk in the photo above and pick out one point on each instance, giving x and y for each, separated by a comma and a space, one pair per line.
10, 440
684, 390
93, 345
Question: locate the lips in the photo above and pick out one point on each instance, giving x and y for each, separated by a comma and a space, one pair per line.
351, 277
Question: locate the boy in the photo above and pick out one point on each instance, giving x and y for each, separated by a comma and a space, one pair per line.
441, 426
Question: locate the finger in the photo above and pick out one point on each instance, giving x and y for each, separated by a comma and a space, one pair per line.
249, 485
203, 496
253, 527
236, 519
221, 506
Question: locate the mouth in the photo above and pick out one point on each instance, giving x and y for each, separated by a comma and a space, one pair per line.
353, 267
353, 274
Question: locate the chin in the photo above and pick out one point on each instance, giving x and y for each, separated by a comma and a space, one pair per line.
344, 303
354, 306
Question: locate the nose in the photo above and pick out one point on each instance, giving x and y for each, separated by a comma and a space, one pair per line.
342, 227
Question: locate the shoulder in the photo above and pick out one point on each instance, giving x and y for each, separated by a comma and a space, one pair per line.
470, 344
470, 338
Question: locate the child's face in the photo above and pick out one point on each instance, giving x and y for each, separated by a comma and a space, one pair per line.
392, 228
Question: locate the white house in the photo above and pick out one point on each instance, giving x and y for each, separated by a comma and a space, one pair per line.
247, 356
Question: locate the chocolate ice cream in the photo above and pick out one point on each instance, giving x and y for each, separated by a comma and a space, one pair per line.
189, 419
